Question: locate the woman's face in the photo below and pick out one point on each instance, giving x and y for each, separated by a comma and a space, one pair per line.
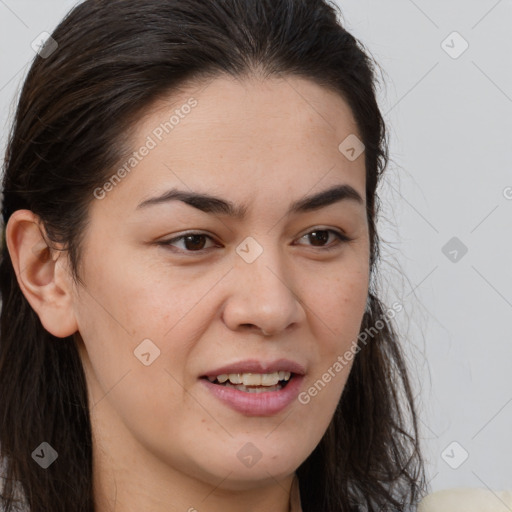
160, 313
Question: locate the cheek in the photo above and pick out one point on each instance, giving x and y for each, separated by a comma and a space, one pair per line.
337, 300
144, 319
116, 341
337, 307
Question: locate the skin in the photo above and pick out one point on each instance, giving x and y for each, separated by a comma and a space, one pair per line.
162, 442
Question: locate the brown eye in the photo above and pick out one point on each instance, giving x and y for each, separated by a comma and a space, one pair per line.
319, 237
193, 242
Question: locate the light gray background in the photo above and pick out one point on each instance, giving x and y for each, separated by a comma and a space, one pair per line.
450, 122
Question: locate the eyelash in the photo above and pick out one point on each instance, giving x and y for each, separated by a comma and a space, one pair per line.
341, 238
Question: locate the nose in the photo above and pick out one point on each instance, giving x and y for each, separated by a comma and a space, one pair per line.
262, 296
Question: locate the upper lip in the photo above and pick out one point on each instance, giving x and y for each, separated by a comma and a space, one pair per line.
257, 366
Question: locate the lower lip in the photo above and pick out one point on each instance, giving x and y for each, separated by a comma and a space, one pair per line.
265, 403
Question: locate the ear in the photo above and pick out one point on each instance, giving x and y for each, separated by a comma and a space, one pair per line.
42, 273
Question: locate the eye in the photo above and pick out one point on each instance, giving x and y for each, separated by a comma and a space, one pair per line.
322, 235
193, 242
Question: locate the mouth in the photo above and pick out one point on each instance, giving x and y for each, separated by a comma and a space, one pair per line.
253, 382
255, 387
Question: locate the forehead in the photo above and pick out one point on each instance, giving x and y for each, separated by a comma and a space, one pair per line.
234, 137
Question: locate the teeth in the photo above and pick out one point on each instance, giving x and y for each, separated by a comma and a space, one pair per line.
268, 379
260, 389
235, 378
253, 379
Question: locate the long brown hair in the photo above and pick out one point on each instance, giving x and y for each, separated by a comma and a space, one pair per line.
78, 103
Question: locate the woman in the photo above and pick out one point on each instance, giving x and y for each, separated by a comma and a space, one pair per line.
190, 314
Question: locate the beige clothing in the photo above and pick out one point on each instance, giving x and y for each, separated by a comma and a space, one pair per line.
466, 499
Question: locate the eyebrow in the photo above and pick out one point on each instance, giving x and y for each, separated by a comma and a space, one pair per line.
216, 205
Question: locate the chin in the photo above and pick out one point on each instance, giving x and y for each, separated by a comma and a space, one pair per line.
248, 468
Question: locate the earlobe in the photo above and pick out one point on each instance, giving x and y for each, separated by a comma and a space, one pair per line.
41, 272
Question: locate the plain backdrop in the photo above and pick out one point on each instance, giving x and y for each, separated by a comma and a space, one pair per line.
446, 218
